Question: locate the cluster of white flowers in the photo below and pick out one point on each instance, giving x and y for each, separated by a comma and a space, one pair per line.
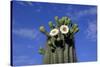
64, 30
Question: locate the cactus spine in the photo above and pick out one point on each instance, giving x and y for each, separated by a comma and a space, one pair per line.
60, 46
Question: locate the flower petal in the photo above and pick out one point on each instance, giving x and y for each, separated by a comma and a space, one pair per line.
54, 32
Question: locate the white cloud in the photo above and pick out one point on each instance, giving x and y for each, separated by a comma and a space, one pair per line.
29, 3
91, 11
27, 33
24, 3
91, 32
19, 60
77, 15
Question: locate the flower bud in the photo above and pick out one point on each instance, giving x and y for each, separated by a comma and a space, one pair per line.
42, 29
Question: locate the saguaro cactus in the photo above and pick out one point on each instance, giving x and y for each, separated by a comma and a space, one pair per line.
60, 46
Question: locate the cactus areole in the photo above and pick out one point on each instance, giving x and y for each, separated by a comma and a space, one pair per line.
60, 46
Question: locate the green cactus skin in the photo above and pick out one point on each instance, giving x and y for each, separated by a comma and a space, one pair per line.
47, 55
66, 58
61, 49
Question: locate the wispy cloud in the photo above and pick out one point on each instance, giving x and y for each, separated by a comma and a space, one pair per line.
82, 13
22, 3
23, 60
91, 32
91, 11
26, 3
27, 33
30, 3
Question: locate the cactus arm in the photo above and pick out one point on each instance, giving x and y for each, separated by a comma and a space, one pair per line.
53, 40
60, 22
51, 45
47, 55
74, 28
42, 29
67, 21
51, 25
41, 51
57, 20
63, 20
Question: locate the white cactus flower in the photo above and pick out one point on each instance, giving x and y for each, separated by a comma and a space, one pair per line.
64, 29
54, 32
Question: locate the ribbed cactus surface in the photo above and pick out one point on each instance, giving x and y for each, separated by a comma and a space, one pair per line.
59, 46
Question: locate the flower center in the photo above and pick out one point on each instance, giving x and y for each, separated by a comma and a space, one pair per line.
64, 29
53, 31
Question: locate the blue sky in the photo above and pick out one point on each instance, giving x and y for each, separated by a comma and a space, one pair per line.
27, 17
